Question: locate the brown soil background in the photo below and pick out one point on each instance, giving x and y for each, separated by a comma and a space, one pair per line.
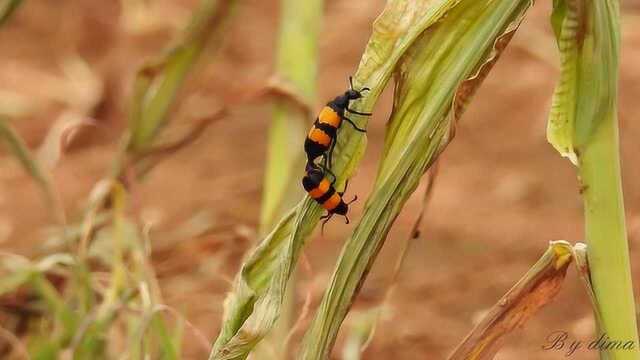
501, 195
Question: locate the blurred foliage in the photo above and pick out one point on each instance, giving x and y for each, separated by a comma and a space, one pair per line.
75, 314
102, 301
297, 64
361, 330
19, 150
8, 8
158, 82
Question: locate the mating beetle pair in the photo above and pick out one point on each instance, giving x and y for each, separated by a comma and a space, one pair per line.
320, 142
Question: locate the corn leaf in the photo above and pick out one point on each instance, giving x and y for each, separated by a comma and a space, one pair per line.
436, 79
534, 290
587, 37
257, 295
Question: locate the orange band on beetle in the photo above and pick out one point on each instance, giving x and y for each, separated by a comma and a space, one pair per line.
320, 137
332, 203
330, 117
322, 188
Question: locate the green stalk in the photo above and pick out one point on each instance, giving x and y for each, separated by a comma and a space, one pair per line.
583, 126
296, 63
606, 235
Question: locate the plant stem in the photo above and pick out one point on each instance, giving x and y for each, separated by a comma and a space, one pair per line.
606, 236
296, 62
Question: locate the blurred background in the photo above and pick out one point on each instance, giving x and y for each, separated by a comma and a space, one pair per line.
501, 195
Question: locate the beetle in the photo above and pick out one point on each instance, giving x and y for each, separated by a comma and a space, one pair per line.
321, 139
323, 191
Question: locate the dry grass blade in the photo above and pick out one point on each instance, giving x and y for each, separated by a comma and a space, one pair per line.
155, 89
59, 137
158, 82
192, 134
536, 288
146, 160
582, 265
19, 150
283, 91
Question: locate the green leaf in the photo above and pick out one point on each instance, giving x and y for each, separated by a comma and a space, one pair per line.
296, 63
21, 152
158, 82
168, 349
583, 126
8, 8
361, 330
586, 91
257, 296
43, 348
11, 282
436, 78
65, 318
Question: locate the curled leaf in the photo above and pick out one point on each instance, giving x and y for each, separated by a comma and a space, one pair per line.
586, 90
534, 290
59, 137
